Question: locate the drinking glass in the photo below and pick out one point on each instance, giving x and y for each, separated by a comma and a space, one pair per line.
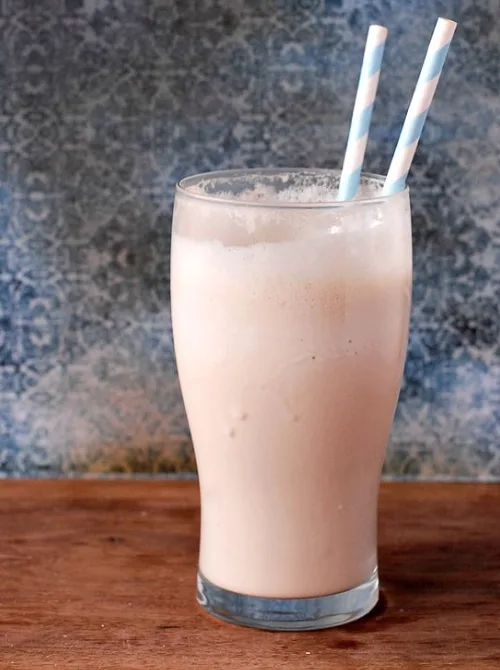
290, 317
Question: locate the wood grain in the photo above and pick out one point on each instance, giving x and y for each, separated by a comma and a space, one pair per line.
101, 575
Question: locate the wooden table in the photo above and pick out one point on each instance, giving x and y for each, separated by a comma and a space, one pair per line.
101, 574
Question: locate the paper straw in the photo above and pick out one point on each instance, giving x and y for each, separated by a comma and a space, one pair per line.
362, 113
419, 106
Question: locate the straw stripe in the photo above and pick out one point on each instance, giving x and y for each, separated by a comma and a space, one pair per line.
373, 65
362, 113
397, 185
419, 106
363, 125
433, 68
413, 129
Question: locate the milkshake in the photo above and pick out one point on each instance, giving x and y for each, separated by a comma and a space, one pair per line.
290, 315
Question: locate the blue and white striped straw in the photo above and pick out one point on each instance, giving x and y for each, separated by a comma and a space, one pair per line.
419, 106
362, 113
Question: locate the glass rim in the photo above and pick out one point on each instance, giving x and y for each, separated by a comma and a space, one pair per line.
181, 187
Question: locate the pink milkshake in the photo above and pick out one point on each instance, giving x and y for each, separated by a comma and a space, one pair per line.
290, 316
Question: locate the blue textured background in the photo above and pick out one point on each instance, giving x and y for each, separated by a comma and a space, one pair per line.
104, 104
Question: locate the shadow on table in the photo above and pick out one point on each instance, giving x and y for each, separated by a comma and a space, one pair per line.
439, 600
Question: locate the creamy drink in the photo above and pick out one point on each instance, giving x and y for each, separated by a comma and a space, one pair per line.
290, 316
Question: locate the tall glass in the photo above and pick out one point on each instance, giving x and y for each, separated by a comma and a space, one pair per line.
290, 313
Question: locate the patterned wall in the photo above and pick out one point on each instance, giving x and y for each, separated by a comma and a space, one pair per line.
104, 104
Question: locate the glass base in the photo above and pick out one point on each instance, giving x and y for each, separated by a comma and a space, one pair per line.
289, 613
